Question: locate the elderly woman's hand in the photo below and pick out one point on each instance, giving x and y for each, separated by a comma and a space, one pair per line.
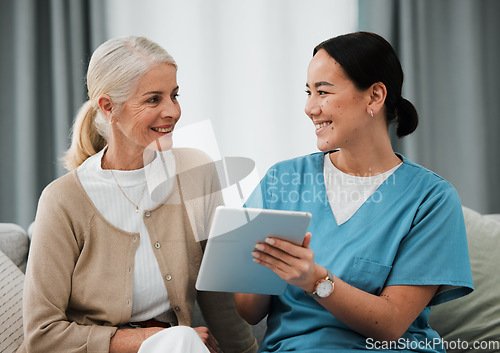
208, 339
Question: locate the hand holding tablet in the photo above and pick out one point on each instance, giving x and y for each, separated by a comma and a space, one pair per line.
228, 265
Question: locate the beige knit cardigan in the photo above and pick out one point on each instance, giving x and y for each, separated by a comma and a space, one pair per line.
79, 279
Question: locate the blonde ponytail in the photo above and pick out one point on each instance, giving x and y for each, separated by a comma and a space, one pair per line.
86, 140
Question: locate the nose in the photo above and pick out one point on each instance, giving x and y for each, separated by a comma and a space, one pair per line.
171, 109
312, 107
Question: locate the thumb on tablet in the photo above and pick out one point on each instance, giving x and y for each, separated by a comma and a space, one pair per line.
307, 240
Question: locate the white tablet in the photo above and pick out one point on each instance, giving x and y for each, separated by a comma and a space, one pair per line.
228, 265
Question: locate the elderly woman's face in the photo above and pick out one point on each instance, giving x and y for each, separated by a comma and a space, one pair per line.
149, 116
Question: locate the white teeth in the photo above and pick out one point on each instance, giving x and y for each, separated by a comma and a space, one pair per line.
162, 130
319, 126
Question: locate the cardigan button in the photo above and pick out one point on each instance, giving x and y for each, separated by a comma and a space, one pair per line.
147, 214
168, 277
177, 309
157, 245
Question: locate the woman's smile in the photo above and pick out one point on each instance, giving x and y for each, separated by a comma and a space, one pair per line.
322, 126
164, 129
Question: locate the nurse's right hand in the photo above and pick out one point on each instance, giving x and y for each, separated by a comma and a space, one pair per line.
293, 263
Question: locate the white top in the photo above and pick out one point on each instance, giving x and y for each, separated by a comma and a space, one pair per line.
150, 295
347, 193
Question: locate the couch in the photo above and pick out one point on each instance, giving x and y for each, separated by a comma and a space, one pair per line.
463, 323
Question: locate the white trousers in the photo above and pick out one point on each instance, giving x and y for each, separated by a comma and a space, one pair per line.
177, 339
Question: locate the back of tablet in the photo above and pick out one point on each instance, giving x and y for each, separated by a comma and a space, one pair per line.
228, 265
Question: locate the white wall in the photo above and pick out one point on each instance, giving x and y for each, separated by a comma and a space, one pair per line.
242, 66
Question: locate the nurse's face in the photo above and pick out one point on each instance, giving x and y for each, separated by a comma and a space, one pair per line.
335, 106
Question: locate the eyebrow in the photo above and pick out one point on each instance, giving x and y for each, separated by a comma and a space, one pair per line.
159, 92
321, 83
152, 92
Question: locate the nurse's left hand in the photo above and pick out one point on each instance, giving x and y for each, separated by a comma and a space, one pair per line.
293, 263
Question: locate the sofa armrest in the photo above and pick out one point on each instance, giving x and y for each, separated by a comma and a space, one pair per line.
14, 243
475, 317
11, 305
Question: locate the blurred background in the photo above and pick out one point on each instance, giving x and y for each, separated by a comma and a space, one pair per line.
242, 71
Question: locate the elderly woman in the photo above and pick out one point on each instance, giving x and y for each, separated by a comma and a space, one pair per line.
387, 238
111, 264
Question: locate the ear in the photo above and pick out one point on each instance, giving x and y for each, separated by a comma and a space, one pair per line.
106, 105
378, 93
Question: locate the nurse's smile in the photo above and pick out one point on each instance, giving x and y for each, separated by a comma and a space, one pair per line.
321, 126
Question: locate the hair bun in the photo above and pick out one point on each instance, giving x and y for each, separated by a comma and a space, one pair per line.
407, 117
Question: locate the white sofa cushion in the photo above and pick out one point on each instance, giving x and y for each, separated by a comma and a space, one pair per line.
475, 317
11, 305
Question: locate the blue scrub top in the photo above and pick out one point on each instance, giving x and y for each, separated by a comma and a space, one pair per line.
411, 231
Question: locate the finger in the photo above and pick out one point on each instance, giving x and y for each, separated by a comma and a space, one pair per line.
290, 254
273, 256
210, 341
207, 338
307, 240
274, 264
213, 344
286, 246
211, 347
270, 250
213, 350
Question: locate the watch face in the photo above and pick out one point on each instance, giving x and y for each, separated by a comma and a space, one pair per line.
324, 289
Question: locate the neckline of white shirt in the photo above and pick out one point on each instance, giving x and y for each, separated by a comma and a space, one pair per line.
329, 164
347, 193
153, 172
126, 178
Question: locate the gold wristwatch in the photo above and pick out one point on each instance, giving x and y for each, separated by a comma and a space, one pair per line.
324, 287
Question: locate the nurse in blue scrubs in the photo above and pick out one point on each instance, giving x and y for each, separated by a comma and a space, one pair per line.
387, 239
